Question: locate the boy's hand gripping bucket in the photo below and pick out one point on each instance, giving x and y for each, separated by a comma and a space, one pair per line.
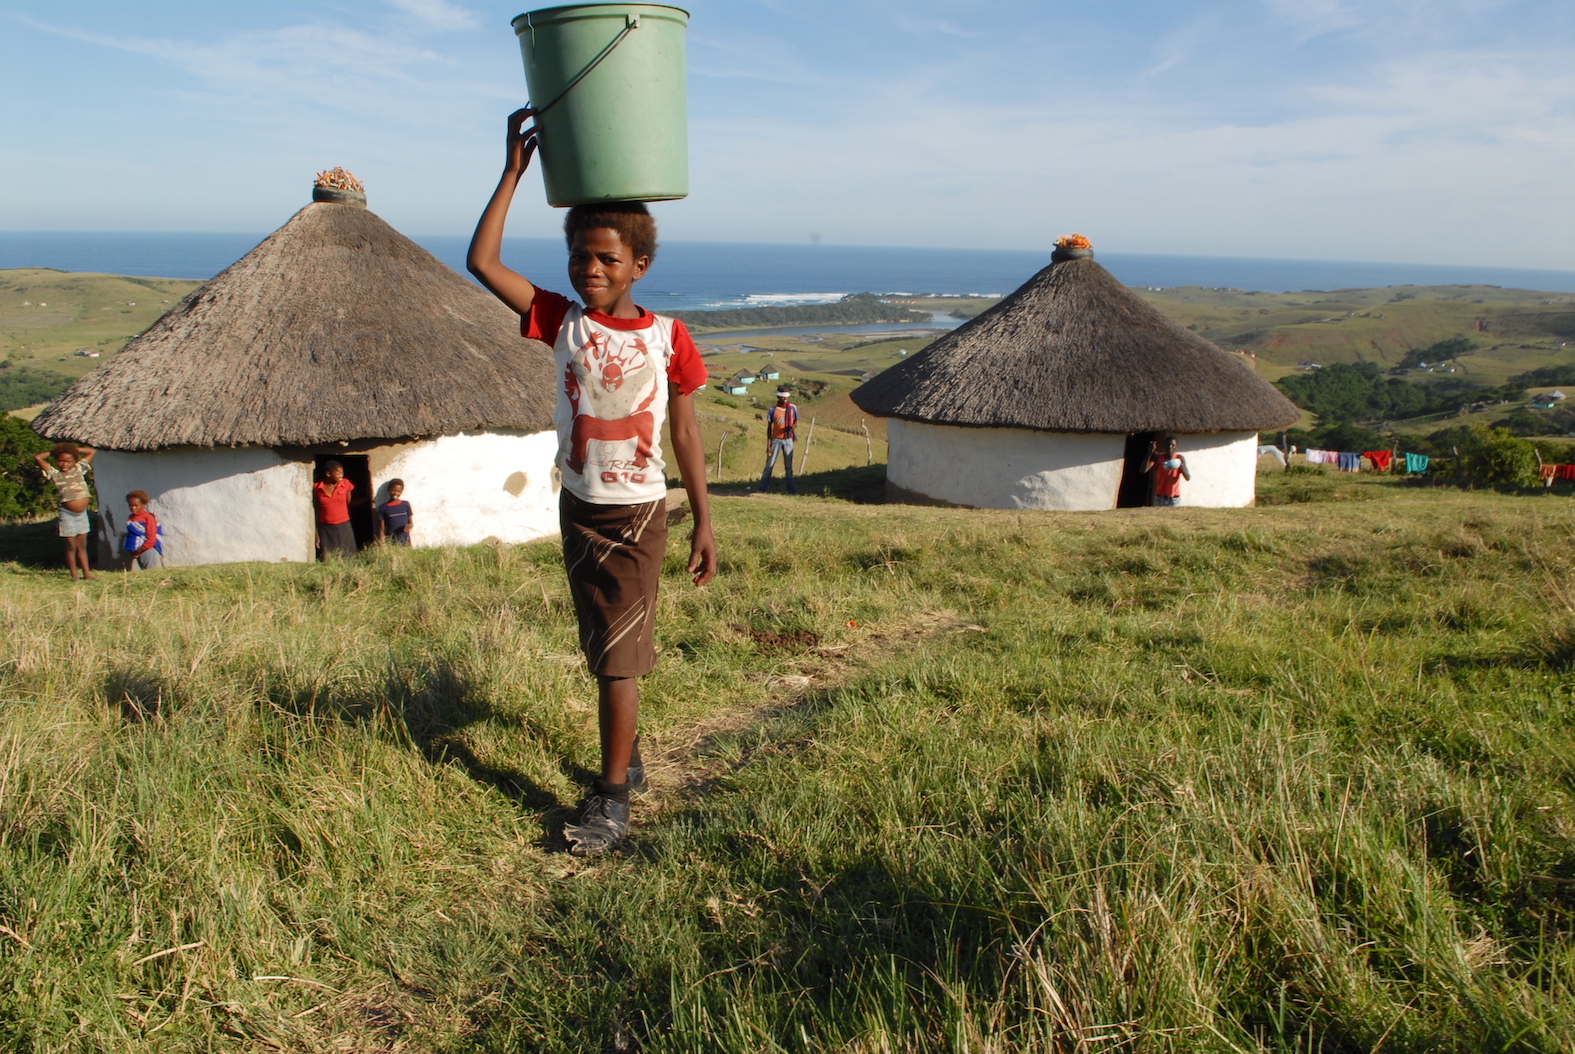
607, 81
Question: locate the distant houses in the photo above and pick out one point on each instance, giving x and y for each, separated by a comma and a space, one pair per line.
770, 373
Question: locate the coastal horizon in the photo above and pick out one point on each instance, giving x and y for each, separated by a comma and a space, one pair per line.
702, 275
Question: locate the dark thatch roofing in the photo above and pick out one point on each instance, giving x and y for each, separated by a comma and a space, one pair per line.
336, 327
1074, 350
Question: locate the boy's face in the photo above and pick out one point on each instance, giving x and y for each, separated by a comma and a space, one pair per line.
602, 268
334, 475
137, 505
1170, 448
395, 491
65, 461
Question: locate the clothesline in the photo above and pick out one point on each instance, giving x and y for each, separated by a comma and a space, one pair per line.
1349, 461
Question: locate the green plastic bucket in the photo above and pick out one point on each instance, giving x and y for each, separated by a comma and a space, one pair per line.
609, 82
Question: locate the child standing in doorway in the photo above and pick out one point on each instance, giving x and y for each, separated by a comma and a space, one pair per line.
1169, 468
69, 475
394, 515
335, 536
622, 370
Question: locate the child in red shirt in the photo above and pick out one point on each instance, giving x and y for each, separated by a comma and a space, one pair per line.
335, 536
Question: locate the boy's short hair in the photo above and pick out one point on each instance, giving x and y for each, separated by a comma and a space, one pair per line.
64, 448
330, 465
396, 483
634, 223
1169, 440
138, 495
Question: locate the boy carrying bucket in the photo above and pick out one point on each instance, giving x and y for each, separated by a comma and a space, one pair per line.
621, 372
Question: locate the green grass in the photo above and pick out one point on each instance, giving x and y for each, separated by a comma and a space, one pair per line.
1289, 778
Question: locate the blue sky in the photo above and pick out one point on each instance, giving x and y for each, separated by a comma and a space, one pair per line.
1433, 131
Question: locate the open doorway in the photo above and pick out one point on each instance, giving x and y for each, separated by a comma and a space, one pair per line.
358, 470
1137, 486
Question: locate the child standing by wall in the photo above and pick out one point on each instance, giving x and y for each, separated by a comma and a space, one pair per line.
394, 515
1169, 469
69, 475
622, 370
143, 543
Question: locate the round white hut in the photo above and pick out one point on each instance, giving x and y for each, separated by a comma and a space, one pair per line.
337, 338
1050, 399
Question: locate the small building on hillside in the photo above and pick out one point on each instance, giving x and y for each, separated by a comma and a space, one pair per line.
1049, 400
770, 373
336, 338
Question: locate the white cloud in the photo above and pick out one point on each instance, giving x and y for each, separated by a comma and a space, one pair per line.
439, 13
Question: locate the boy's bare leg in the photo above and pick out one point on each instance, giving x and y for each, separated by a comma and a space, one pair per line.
617, 711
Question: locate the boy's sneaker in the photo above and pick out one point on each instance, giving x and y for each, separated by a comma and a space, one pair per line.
603, 823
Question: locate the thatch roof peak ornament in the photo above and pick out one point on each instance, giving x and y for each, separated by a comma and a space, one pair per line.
338, 187
336, 327
1074, 350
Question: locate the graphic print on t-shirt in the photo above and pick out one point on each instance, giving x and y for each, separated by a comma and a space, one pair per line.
613, 376
617, 383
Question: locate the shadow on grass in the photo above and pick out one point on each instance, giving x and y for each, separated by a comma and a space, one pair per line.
862, 485
38, 545
431, 705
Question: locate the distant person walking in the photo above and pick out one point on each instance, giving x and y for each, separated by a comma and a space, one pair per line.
69, 475
781, 430
1169, 469
335, 536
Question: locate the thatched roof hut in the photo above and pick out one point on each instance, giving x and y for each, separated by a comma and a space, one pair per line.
1036, 402
335, 338
336, 327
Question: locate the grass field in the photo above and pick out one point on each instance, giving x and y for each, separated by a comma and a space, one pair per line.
1292, 778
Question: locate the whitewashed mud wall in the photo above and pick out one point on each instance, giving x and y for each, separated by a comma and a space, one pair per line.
217, 506
466, 488
1004, 468
1224, 467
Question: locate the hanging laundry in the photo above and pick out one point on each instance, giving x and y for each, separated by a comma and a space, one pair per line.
1416, 462
1547, 471
1350, 462
1316, 457
1279, 455
1567, 473
1379, 458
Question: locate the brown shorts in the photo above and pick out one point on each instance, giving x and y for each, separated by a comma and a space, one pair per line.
613, 554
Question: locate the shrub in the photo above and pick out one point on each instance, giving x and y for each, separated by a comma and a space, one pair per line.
23, 491
1497, 457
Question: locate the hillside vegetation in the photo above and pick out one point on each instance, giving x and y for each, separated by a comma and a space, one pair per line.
47, 316
1279, 779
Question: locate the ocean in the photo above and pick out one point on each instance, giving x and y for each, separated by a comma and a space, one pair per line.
719, 275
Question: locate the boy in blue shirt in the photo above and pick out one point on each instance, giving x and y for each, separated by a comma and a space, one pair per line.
621, 372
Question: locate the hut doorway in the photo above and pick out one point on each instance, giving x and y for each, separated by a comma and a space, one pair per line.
358, 470
1137, 486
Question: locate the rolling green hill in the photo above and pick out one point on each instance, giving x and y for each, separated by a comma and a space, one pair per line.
47, 317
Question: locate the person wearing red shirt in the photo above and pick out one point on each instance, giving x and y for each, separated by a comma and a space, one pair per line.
335, 536
1169, 470
621, 371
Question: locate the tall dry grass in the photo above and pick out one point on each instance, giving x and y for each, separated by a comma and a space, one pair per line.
1293, 778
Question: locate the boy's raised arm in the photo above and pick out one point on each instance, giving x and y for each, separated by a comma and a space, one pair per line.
85, 453
484, 260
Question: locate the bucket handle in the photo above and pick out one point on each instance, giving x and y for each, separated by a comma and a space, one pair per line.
632, 22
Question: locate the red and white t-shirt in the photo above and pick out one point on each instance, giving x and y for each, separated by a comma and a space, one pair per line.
613, 375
